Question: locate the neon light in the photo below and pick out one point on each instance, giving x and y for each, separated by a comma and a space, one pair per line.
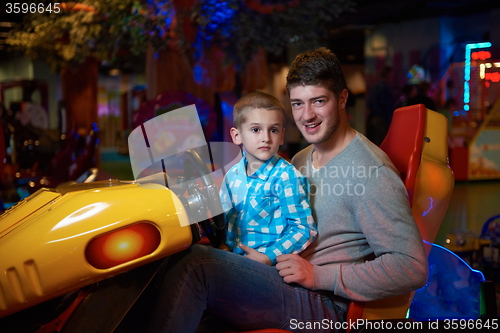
466, 92
481, 55
493, 77
430, 207
468, 49
457, 257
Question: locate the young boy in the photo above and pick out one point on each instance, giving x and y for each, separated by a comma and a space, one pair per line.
265, 199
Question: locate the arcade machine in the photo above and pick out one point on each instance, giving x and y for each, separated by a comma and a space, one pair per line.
475, 127
37, 156
26, 142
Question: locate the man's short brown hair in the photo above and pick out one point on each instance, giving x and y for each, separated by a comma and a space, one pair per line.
255, 100
317, 67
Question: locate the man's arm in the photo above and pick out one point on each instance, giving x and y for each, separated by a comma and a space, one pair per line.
400, 265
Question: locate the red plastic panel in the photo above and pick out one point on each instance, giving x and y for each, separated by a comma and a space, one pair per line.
403, 143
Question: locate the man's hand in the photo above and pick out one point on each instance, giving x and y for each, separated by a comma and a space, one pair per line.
255, 255
295, 269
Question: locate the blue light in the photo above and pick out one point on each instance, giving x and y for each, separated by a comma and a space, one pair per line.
480, 45
466, 92
430, 207
467, 63
456, 113
219, 16
227, 109
456, 256
198, 73
468, 50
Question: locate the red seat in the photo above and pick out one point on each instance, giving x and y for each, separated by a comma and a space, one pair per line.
404, 141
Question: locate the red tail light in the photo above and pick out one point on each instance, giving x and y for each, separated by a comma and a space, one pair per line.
122, 245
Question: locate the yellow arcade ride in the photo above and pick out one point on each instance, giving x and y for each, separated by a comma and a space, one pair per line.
59, 240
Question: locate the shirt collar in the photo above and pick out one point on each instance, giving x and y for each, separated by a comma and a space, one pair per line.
265, 169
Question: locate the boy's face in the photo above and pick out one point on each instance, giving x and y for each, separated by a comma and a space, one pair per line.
261, 134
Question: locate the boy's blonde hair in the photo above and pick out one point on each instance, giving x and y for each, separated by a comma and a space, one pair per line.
255, 100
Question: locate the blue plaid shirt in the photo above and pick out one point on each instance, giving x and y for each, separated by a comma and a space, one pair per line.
269, 210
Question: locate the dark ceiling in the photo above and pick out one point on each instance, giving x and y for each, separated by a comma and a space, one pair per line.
373, 12
348, 29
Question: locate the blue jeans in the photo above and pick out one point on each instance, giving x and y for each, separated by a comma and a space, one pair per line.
243, 292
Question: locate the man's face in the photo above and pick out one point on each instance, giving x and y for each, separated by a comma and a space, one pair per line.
316, 111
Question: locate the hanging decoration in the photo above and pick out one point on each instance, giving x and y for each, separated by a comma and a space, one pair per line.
108, 30
104, 30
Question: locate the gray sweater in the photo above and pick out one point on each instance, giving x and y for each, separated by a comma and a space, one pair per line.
368, 245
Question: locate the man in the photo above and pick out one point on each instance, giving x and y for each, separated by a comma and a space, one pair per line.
360, 203
368, 246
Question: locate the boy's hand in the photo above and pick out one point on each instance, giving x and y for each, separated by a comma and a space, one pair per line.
255, 255
294, 268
